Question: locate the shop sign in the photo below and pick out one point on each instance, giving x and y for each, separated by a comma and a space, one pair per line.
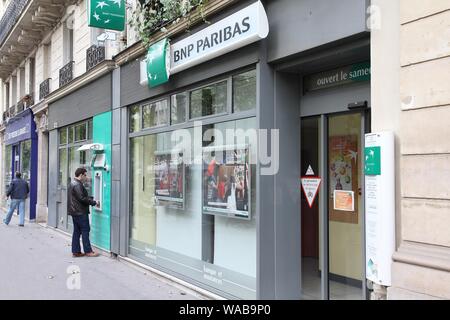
235, 31
380, 207
349, 74
158, 63
106, 14
18, 129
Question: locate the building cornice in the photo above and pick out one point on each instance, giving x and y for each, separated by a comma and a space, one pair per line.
138, 49
423, 255
86, 78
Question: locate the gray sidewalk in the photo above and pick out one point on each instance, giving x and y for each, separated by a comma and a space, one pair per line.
36, 263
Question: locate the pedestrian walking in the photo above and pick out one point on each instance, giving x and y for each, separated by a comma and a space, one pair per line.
78, 202
18, 191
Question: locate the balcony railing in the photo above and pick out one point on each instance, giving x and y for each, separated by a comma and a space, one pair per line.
44, 89
94, 56
10, 17
12, 111
66, 74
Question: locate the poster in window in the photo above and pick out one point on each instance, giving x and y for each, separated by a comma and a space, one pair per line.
226, 181
169, 179
343, 176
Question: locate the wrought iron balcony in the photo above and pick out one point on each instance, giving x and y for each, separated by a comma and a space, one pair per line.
94, 56
12, 111
44, 89
66, 74
10, 17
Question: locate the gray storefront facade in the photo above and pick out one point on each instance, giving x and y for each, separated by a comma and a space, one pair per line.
308, 81
71, 126
283, 249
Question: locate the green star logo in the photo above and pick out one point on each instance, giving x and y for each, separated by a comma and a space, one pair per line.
107, 14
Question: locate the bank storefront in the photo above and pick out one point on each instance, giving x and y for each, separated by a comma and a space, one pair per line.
80, 137
20, 155
219, 128
192, 205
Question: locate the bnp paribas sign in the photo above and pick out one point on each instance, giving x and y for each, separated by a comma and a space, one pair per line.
235, 31
106, 14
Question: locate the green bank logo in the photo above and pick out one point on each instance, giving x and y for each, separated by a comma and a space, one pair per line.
372, 163
107, 14
158, 63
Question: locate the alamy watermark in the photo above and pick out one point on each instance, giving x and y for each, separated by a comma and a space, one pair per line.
263, 144
73, 282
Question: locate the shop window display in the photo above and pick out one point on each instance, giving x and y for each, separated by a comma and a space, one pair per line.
173, 224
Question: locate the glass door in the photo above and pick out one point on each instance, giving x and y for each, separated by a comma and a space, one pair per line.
311, 230
345, 207
332, 207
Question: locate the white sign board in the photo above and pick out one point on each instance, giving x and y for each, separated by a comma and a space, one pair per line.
235, 31
380, 209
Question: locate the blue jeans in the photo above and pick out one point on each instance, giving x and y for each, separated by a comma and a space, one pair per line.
20, 205
81, 227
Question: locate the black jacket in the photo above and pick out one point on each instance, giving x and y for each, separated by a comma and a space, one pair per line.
78, 200
18, 189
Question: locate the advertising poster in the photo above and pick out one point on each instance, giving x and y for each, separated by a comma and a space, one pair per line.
226, 184
344, 200
343, 175
169, 179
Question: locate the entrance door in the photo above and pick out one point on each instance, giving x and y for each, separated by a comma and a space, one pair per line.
333, 225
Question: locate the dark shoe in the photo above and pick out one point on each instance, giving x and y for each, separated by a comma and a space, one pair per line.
77, 255
92, 254
21, 225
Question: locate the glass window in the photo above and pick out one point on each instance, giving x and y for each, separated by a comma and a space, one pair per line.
62, 176
90, 129
244, 91
155, 114
7, 166
80, 132
345, 208
80, 159
178, 108
26, 159
70, 134
135, 118
63, 136
209, 100
210, 249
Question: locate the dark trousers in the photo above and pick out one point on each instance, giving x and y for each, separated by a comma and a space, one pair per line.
81, 228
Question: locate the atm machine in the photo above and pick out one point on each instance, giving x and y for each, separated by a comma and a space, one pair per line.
99, 167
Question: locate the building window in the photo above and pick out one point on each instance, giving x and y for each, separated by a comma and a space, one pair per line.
80, 132
178, 108
179, 219
68, 40
209, 100
135, 119
155, 114
70, 139
63, 136
244, 91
